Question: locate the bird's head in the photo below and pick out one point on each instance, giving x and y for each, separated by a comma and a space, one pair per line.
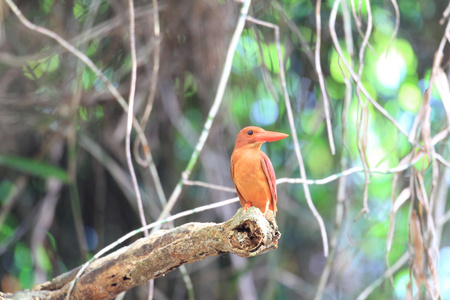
256, 136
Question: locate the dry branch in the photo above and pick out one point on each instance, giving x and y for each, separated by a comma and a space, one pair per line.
246, 234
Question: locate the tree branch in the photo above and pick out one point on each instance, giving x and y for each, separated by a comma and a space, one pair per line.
246, 234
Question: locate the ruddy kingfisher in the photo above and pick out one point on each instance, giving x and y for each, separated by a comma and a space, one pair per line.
252, 171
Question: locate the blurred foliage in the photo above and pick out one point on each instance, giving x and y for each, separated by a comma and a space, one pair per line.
33, 167
52, 104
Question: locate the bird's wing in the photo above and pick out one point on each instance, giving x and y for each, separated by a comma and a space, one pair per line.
241, 199
267, 167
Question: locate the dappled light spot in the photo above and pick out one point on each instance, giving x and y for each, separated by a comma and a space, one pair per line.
247, 54
264, 112
391, 69
91, 238
406, 120
338, 71
410, 97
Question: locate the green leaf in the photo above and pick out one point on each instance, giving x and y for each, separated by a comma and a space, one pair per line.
99, 112
36, 69
47, 5
22, 256
87, 78
52, 241
190, 84
270, 53
51, 64
26, 277
6, 189
33, 70
93, 47
6, 233
34, 167
42, 259
78, 10
83, 112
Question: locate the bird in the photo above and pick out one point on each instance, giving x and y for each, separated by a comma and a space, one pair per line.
252, 171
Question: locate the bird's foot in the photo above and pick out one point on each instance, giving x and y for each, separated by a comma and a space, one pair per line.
247, 206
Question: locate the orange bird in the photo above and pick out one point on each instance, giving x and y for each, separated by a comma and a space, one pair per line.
252, 171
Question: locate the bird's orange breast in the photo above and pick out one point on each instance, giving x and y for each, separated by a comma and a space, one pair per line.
250, 179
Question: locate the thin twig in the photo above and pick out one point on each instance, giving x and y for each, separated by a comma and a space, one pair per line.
350, 171
44, 220
130, 115
445, 15
444, 219
153, 171
210, 186
364, 117
356, 17
442, 160
358, 21
348, 34
397, 20
427, 205
72, 172
151, 96
318, 65
440, 136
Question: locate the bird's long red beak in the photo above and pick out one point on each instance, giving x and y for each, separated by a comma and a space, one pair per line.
270, 136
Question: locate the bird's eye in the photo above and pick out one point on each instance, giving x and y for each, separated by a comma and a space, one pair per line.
250, 132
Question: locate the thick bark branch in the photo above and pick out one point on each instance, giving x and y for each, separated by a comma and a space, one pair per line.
246, 234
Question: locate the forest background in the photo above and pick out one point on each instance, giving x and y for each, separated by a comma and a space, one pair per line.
363, 91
